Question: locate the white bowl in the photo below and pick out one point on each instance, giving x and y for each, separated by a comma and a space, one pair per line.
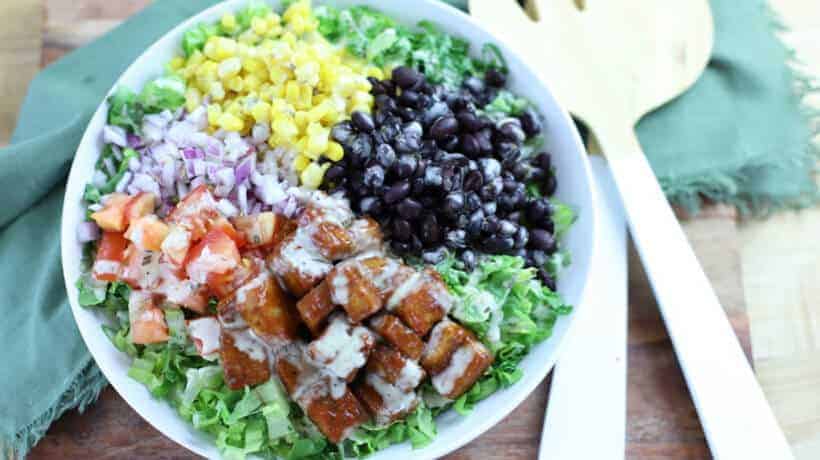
453, 430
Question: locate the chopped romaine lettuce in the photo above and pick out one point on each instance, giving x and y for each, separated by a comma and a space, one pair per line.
255, 8
124, 110
163, 93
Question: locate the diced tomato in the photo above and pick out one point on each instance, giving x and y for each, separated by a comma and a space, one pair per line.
141, 268
196, 212
110, 256
215, 254
147, 321
176, 244
224, 225
112, 216
147, 232
263, 229
179, 290
140, 205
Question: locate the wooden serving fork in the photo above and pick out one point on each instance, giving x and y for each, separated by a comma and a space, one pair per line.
610, 62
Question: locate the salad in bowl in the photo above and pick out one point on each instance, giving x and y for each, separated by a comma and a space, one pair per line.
321, 231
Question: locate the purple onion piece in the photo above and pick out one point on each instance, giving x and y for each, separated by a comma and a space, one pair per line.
88, 231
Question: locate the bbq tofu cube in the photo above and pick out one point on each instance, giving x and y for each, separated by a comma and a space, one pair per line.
265, 229
244, 359
366, 234
342, 349
384, 400
332, 240
394, 368
351, 287
298, 264
466, 365
328, 402
398, 335
315, 307
386, 274
421, 301
223, 285
267, 309
445, 339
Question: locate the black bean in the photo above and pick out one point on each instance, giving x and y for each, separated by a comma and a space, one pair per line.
521, 171
400, 247
397, 191
401, 229
374, 176
541, 239
476, 223
549, 185
543, 160
371, 205
435, 255
428, 201
443, 127
485, 143
461, 221
472, 202
547, 279
455, 159
456, 239
530, 122
342, 132
495, 77
511, 129
490, 207
362, 121
468, 258
406, 166
386, 103
428, 148
409, 208
453, 204
509, 153
490, 225
469, 145
498, 244
376, 86
468, 120
432, 177
385, 155
490, 168
449, 143
507, 228
522, 237
474, 85
430, 230
409, 98
335, 173
488, 192
419, 190
406, 113
406, 77
514, 216
433, 112
537, 174
473, 181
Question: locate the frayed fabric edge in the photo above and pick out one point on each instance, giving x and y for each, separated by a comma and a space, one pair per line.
85, 388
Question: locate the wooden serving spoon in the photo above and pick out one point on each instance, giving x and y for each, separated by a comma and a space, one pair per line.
610, 62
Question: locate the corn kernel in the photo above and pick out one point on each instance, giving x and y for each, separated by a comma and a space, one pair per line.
292, 91
216, 91
193, 99
374, 72
284, 127
235, 84
230, 122
301, 162
261, 112
228, 23
252, 83
214, 112
334, 152
313, 174
176, 63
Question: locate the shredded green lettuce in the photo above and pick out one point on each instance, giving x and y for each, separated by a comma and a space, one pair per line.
124, 110
194, 39
163, 93
375, 36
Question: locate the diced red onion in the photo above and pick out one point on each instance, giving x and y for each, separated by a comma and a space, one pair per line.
88, 231
168, 175
115, 135
227, 208
225, 180
190, 153
144, 183
198, 118
244, 169
180, 133
182, 189
124, 181
196, 182
256, 209
134, 141
242, 198
289, 207
198, 167
134, 164
268, 190
109, 166
214, 148
95, 207
99, 178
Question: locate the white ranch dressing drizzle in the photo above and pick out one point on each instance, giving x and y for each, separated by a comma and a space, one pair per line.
410, 376
405, 289
445, 381
339, 288
341, 348
394, 400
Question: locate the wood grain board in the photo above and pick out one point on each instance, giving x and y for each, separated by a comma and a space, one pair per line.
769, 266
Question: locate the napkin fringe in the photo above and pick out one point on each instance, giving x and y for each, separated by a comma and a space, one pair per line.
692, 192
85, 388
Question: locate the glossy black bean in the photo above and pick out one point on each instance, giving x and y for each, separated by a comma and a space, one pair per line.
386, 103
408, 98
521, 171
507, 228
530, 122
476, 223
514, 217
473, 180
449, 143
474, 84
498, 244
406, 166
546, 278
401, 230
419, 191
406, 113
511, 130
472, 202
374, 176
522, 237
490, 225
468, 120
397, 192
443, 127
434, 111
549, 185
362, 121
453, 204
432, 177
335, 173
456, 239
430, 229
541, 239
543, 160
495, 77
469, 145
434, 255
371, 205
409, 208
342, 132
469, 259
385, 155
406, 77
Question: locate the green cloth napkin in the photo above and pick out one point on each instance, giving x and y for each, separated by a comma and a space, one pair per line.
739, 136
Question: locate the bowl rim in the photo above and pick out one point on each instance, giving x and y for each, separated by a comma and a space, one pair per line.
515, 395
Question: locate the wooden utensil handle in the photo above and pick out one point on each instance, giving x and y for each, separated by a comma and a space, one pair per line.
736, 418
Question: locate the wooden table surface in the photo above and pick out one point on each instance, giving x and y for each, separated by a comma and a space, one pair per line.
764, 272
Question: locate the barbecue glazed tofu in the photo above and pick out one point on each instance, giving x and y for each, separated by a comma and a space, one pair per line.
265, 229
244, 359
366, 234
395, 368
394, 332
445, 339
297, 262
387, 274
268, 310
385, 401
421, 301
465, 366
352, 289
328, 402
315, 307
332, 240
342, 349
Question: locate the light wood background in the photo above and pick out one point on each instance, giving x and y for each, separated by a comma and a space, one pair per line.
766, 271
